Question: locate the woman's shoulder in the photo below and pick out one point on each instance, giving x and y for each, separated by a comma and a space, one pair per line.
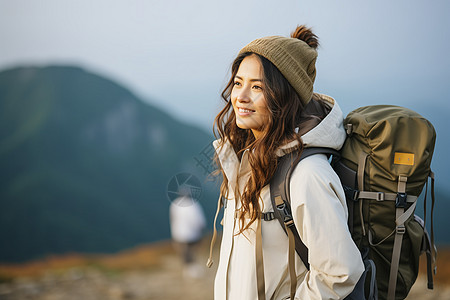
314, 179
314, 168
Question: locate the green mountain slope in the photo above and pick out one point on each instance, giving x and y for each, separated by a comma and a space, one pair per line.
84, 164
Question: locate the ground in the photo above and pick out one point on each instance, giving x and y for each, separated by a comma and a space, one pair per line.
145, 273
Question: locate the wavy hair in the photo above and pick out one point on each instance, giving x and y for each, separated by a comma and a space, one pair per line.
286, 113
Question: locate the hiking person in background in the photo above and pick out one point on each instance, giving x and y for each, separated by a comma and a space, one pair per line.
187, 224
270, 111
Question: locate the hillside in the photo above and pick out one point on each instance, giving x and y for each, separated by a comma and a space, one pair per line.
85, 164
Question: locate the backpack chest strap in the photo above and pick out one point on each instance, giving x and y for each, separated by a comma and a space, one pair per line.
266, 216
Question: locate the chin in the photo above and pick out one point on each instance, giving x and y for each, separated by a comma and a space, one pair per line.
242, 126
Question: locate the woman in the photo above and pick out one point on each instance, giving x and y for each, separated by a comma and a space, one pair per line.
270, 111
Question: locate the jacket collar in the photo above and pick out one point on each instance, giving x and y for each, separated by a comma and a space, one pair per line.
228, 159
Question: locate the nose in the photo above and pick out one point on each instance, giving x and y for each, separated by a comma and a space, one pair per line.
243, 96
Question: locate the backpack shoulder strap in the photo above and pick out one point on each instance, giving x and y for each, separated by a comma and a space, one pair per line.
279, 189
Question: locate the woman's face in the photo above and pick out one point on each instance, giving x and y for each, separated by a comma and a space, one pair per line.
247, 96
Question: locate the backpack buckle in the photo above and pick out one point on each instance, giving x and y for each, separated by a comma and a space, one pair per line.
400, 229
355, 195
401, 200
268, 216
380, 196
285, 214
351, 193
289, 223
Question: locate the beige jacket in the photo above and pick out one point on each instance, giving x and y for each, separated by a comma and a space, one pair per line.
320, 215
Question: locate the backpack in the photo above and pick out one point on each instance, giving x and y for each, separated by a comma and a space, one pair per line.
383, 167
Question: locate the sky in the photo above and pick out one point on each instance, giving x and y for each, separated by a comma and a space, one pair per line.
177, 54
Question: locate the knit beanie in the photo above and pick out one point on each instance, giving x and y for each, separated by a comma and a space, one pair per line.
293, 57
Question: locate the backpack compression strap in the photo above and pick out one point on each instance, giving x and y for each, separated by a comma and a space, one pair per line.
400, 217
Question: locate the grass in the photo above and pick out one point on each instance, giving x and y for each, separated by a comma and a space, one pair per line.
139, 258
148, 257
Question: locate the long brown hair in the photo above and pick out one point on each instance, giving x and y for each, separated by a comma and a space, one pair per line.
286, 114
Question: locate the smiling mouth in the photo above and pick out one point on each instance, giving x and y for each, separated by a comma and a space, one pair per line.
245, 110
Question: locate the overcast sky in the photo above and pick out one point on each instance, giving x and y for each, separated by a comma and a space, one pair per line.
177, 54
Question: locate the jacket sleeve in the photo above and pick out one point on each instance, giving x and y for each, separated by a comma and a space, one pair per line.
320, 215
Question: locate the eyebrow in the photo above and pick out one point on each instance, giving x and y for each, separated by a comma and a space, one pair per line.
251, 80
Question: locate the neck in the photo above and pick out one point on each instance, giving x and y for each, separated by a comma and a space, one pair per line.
257, 134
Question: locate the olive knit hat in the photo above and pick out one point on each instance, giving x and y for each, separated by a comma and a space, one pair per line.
293, 57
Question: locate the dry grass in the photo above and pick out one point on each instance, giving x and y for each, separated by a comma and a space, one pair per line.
149, 257
148, 272
142, 257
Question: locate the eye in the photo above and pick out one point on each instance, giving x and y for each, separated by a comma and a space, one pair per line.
257, 87
236, 83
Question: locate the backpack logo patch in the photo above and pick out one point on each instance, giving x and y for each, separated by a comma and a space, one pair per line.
404, 158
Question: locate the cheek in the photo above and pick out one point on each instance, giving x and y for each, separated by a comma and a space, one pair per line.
264, 115
233, 99
262, 107
260, 101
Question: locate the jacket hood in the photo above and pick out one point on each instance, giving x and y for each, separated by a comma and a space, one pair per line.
329, 133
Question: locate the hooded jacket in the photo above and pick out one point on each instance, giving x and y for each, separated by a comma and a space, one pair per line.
320, 215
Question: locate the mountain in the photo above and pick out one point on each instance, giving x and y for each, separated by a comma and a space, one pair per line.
85, 164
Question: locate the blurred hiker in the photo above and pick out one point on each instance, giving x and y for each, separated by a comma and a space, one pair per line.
187, 224
271, 111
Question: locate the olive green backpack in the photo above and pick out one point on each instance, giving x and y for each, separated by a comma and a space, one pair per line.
383, 166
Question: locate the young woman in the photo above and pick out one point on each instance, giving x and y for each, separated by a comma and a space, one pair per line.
270, 111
